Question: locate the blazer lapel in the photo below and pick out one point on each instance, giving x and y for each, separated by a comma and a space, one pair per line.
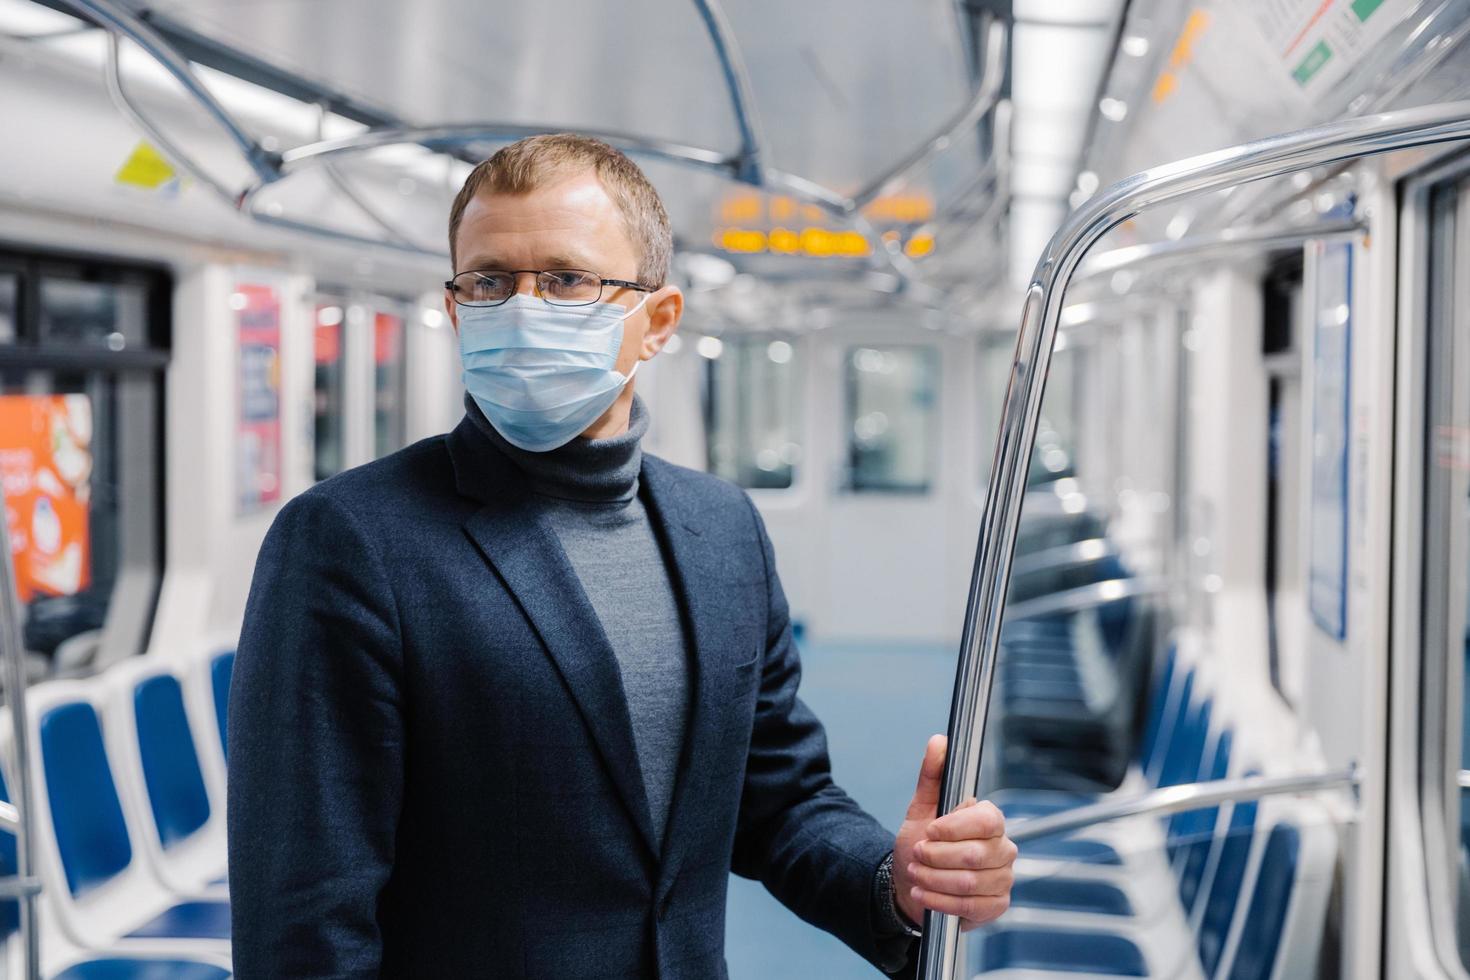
691, 578
535, 568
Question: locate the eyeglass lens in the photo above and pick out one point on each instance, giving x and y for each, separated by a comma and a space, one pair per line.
559, 287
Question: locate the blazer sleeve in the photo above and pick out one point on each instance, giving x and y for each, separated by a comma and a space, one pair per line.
798, 832
316, 750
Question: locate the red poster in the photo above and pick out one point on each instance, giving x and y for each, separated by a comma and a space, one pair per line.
258, 437
46, 467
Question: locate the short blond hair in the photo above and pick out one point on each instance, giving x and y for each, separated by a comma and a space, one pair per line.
536, 161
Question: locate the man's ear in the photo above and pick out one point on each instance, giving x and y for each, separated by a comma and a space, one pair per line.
665, 309
451, 310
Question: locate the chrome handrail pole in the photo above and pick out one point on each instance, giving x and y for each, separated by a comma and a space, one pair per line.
985, 608
1177, 799
21, 814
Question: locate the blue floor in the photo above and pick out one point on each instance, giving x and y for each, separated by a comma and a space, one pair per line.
880, 704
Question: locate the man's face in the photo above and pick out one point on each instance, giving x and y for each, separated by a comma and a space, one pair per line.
569, 224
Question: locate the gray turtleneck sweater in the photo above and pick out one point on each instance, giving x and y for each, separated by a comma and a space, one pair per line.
587, 492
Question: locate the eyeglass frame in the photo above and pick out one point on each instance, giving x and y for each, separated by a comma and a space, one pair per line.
515, 275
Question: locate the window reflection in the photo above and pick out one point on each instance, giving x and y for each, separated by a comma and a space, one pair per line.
327, 402
753, 414
890, 417
96, 314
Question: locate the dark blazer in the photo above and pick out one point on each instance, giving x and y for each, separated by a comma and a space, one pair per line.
432, 768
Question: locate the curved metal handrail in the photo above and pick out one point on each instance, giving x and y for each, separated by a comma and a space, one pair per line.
987, 94
1203, 246
119, 20
1077, 553
737, 81
1090, 596
985, 609
1178, 799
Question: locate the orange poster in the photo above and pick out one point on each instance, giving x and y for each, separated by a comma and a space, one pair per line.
46, 469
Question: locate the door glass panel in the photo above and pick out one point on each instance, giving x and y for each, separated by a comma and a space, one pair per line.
891, 418
754, 412
327, 402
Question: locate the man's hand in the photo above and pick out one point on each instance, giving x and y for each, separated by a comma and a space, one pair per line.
959, 864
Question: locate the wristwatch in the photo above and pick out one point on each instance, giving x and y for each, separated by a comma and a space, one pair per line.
896, 919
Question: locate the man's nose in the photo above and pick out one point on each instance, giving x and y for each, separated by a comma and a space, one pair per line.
526, 284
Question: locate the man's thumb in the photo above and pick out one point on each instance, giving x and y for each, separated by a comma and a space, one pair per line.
925, 805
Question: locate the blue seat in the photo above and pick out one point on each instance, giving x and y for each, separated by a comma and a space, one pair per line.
86, 814
1062, 951
1224, 890
1260, 936
176, 792
188, 920
221, 668
1071, 895
121, 968
88, 823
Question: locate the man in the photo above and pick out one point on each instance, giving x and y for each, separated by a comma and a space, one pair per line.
513, 702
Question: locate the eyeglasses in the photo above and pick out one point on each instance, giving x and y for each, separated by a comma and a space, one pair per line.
557, 287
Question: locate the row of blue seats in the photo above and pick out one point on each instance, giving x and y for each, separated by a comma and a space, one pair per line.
1233, 892
128, 806
1071, 684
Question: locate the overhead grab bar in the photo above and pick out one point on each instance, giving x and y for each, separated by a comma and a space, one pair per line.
987, 94
1178, 799
119, 20
985, 608
750, 165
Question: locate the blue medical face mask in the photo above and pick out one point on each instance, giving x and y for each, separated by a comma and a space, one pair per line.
542, 374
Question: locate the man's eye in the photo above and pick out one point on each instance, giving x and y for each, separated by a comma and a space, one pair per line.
491, 284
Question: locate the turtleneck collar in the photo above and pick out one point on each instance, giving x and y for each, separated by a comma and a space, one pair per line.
584, 470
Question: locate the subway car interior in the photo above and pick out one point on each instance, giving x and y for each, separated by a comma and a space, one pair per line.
1099, 369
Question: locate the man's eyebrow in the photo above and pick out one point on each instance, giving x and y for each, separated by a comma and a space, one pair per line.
558, 261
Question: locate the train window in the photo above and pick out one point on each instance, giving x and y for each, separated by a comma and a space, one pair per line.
891, 397
389, 382
80, 452
753, 413
97, 314
328, 456
1446, 584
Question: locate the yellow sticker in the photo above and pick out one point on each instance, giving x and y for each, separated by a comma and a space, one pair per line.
145, 167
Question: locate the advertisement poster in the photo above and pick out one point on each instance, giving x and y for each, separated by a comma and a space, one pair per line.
1318, 42
258, 435
1331, 363
46, 469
